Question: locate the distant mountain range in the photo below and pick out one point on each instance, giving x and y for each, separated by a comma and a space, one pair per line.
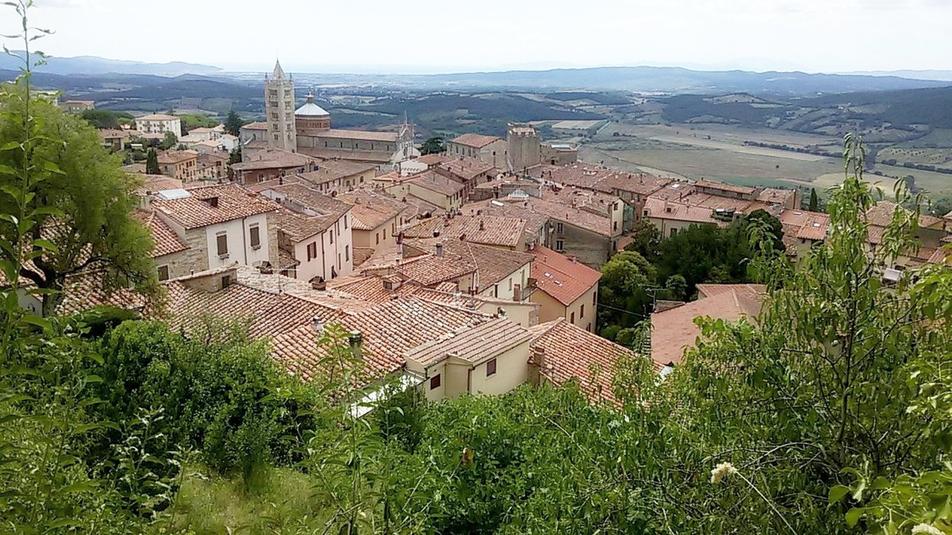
642, 79
96, 65
667, 80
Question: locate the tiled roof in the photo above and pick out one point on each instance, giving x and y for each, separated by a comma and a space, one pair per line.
176, 156
561, 277
705, 290
371, 209
274, 159
196, 210
674, 330
472, 344
534, 221
675, 211
490, 264
388, 331
880, 215
151, 183
157, 117
476, 141
304, 211
574, 354
83, 291
333, 170
362, 135
437, 183
166, 240
433, 159
484, 229
260, 125
733, 188
464, 168
776, 195
802, 224
379, 156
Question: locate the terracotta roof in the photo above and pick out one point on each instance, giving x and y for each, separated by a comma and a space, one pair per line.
305, 211
157, 117
83, 291
259, 125
599, 178
329, 153
660, 209
196, 210
880, 214
776, 195
152, 183
388, 331
534, 221
472, 344
362, 135
476, 141
490, 264
674, 330
371, 209
733, 188
437, 183
574, 354
274, 159
333, 170
560, 277
433, 159
463, 167
165, 239
483, 229
176, 156
710, 289
803, 224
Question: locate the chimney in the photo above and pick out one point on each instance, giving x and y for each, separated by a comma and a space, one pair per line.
482, 225
317, 325
356, 341
439, 250
536, 365
318, 284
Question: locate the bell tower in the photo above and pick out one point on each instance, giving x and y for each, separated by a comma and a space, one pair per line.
279, 110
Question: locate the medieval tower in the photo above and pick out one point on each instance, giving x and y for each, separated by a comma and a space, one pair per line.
279, 110
524, 147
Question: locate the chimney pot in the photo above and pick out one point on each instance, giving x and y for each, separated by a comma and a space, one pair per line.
439, 249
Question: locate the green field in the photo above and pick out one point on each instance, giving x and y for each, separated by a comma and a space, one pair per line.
718, 152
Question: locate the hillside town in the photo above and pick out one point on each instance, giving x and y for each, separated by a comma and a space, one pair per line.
467, 271
328, 298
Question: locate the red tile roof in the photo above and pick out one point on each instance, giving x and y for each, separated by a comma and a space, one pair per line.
674, 330
477, 141
574, 354
483, 229
562, 278
166, 240
196, 210
472, 344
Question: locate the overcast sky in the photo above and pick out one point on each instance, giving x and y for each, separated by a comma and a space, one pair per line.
433, 36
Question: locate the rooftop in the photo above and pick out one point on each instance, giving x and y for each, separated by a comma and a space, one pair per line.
176, 156
561, 277
477, 141
274, 159
333, 170
484, 229
371, 209
166, 241
304, 211
157, 117
210, 205
362, 135
472, 344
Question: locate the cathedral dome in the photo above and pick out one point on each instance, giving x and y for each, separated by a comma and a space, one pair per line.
310, 109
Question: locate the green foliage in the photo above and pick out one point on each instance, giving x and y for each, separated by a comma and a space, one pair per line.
433, 145
677, 287
152, 162
646, 240
106, 118
235, 155
814, 201
169, 141
233, 123
196, 120
623, 289
76, 179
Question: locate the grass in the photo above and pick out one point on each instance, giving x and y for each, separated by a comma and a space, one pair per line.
278, 500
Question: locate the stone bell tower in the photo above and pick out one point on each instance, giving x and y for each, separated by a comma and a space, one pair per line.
279, 110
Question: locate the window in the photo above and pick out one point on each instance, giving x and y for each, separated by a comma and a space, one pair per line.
559, 245
614, 225
347, 253
581, 312
595, 299
163, 273
510, 284
338, 259
491, 367
222, 242
673, 232
384, 234
559, 228
572, 318
345, 222
378, 238
495, 290
435, 382
311, 251
255, 237
332, 237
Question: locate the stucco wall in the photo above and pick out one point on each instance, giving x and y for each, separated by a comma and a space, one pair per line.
512, 370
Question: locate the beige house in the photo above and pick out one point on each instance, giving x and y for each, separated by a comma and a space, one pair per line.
159, 123
434, 188
489, 149
377, 218
77, 106
339, 175
268, 164
179, 164
221, 225
565, 288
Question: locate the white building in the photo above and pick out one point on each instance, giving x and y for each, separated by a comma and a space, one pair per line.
159, 123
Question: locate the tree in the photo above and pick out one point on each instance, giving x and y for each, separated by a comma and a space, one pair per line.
646, 240
677, 287
105, 118
235, 155
152, 163
814, 201
170, 140
433, 145
82, 207
233, 123
623, 289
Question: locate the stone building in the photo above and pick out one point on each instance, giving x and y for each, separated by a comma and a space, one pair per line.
279, 110
525, 149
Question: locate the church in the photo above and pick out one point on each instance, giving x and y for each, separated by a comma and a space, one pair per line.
307, 130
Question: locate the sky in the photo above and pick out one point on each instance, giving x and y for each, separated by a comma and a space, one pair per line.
416, 36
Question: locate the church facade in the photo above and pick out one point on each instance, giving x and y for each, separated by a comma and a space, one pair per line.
308, 130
